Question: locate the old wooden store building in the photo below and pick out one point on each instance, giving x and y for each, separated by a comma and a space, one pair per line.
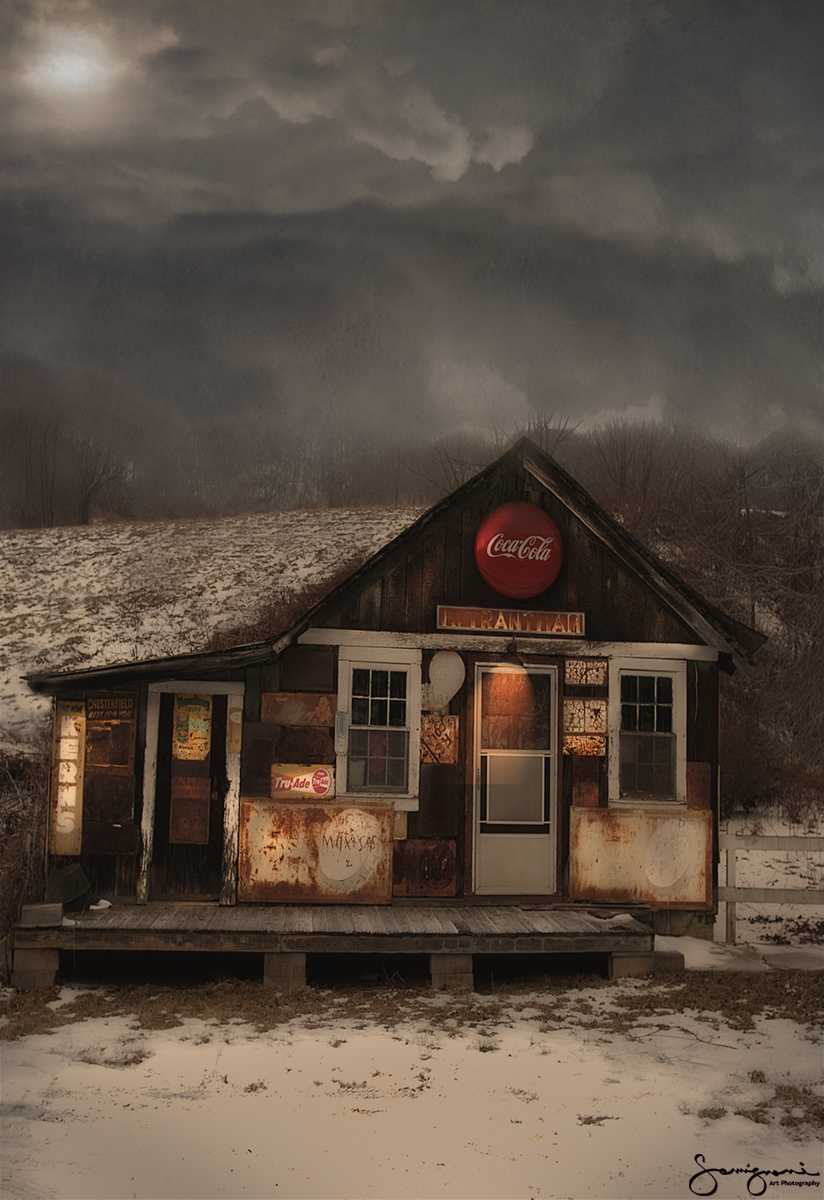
499, 735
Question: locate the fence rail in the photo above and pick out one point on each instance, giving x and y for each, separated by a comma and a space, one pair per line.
730, 842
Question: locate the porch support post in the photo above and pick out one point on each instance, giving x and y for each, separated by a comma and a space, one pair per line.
451, 972
630, 964
285, 971
34, 969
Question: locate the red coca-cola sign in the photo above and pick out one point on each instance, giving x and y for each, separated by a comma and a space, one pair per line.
518, 550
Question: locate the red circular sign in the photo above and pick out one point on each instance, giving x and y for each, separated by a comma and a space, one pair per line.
518, 550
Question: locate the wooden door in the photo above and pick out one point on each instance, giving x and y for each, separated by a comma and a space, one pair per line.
190, 795
515, 780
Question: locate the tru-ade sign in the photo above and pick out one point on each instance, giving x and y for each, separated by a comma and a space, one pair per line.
518, 550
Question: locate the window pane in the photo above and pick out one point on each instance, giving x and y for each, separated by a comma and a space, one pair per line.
647, 765
664, 689
397, 685
515, 710
397, 712
663, 716
360, 682
629, 717
360, 711
380, 683
646, 718
358, 742
378, 712
515, 788
646, 689
629, 688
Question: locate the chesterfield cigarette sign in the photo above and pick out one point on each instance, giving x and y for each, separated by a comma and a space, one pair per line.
518, 550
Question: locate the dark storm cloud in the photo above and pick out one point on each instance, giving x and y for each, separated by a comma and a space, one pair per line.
420, 215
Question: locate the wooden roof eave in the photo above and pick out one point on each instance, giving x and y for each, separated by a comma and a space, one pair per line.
644, 564
180, 665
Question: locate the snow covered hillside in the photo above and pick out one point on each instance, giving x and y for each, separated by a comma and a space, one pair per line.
100, 594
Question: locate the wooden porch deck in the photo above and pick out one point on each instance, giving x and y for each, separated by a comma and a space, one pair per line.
285, 934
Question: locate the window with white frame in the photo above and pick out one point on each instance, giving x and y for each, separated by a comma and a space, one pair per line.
379, 692
648, 732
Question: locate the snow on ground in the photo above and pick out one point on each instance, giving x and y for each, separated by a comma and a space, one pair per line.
101, 1109
89, 596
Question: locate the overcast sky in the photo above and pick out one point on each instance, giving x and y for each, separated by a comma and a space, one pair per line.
420, 217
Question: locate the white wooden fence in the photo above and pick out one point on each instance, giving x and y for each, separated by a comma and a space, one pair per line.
730, 842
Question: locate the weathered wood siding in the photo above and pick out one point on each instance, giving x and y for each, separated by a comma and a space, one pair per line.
437, 566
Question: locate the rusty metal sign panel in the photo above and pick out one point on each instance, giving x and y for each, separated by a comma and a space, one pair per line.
425, 868
323, 854
585, 716
189, 816
111, 720
290, 781
586, 672
439, 738
646, 856
68, 752
591, 745
298, 708
192, 735
508, 620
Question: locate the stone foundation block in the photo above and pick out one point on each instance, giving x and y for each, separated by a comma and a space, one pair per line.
451, 972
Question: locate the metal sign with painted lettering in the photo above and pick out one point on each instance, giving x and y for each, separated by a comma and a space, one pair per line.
68, 756
291, 780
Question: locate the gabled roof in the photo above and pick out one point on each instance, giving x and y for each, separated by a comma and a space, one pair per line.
733, 640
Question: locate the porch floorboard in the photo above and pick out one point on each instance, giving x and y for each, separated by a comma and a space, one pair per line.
498, 929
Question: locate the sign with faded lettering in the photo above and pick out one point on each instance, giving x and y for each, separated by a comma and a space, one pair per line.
293, 780
68, 755
298, 708
510, 621
321, 854
439, 738
111, 721
518, 549
192, 734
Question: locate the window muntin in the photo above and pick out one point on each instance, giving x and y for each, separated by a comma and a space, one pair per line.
378, 753
647, 767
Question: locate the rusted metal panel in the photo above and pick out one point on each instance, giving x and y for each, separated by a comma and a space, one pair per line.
439, 738
590, 744
324, 854
641, 855
189, 816
586, 672
425, 868
298, 708
586, 781
107, 798
293, 780
585, 716
699, 785
305, 744
68, 756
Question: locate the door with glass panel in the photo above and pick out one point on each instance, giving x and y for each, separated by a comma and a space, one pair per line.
515, 780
